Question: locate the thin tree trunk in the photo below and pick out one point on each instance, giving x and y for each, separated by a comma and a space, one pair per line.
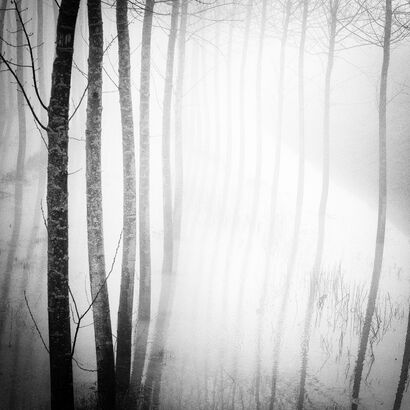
259, 139
42, 174
19, 174
299, 195
152, 383
381, 219
61, 375
322, 207
404, 369
129, 247
179, 159
144, 306
96, 256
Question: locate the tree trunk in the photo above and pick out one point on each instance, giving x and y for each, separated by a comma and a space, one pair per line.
322, 207
404, 369
61, 375
152, 383
129, 247
144, 306
19, 174
3, 108
96, 257
299, 196
179, 159
381, 219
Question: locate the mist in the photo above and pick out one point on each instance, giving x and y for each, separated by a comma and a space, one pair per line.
204, 204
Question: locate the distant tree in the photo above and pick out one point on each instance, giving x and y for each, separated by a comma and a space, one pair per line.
144, 304
21, 157
129, 247
152, 382
404, 373
381, 218
96, 255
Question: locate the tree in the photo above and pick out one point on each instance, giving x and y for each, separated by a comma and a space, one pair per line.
61, 376
21, 157
381, 217
129, 247
404, 369
153, 380
144, 305
96, 256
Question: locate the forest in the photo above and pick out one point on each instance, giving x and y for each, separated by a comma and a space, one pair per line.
203, 204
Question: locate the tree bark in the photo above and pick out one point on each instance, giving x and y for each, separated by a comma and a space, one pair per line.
144, 306
129, 247
61, 375
381, 218
152, 383
323, 204
95, 232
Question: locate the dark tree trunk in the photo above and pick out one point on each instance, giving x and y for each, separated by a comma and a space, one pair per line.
61, 375
144, 306
381, 219
152, 383
404, 373
322, 207
96, 256
129, 247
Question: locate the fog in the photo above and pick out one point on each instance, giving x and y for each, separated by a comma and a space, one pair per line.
239, 308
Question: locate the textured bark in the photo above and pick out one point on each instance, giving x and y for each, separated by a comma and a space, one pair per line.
381, 218
404, 373
258, 90
129, 247
144, 306
323, 204
299, 197
61, 375
96, 256
19, 182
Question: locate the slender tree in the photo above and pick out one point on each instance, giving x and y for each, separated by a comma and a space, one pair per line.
61, 375
152, 383
129, 247
258, 91
144, 305
404, 369
96, 256
333, 21
299, 195
19, 173
381, 218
